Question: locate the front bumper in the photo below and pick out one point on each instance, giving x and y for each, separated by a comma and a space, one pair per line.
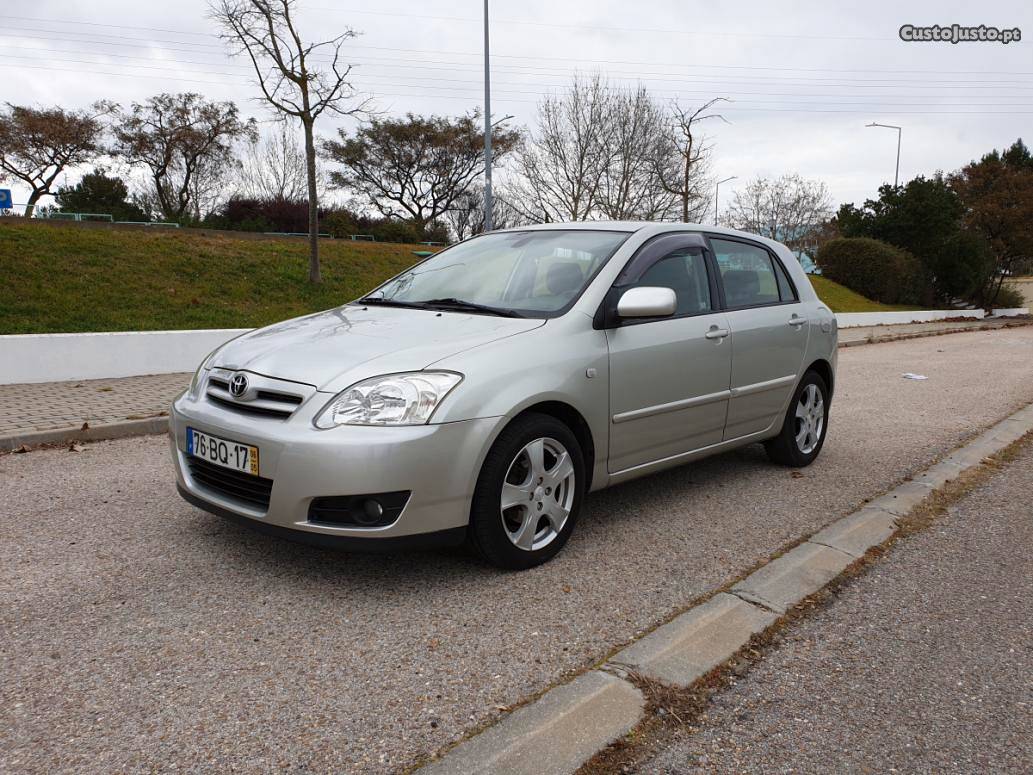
438, 464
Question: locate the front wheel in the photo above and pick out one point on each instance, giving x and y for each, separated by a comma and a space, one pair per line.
528, 493
805, 426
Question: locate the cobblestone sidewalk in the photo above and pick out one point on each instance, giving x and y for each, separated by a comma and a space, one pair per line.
55, 405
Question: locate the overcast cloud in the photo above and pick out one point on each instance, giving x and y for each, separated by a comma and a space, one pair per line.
805, 77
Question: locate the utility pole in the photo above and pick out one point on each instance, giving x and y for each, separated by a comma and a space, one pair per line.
896, 174
717, 188
487, 128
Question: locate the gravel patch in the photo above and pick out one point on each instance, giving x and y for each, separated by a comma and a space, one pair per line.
138, 633
924, 664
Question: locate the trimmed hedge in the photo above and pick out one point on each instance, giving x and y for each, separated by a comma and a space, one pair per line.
872, 268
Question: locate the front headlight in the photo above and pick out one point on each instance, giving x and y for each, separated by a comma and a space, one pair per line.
393, 399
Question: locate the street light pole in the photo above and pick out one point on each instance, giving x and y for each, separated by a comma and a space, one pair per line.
896, 174
717, 189
487, 128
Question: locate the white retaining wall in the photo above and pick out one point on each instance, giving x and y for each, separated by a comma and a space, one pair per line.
57, 357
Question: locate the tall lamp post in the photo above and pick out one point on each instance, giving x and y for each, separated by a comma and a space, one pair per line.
717, 189
896, 174
487, 128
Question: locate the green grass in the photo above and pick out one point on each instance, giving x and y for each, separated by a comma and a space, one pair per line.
65, 277
842, 299
56, 278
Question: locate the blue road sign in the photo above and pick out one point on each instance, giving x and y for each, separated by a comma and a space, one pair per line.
5, 199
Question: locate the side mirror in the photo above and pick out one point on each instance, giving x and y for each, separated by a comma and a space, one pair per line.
647, 302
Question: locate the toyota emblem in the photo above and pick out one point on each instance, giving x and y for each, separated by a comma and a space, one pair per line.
238, 385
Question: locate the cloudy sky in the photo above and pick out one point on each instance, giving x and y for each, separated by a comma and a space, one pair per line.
805, 77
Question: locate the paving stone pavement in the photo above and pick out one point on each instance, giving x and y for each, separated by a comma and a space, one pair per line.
53, 405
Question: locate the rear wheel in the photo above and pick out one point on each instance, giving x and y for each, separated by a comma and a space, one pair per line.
528, 493
805, 426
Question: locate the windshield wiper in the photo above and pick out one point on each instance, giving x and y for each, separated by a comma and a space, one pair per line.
452, 303
390, 302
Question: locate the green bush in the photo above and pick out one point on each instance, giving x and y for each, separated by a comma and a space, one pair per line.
874, 269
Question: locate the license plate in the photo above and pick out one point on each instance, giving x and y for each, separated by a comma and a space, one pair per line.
223, 452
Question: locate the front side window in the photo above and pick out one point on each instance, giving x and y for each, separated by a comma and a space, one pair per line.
685, 272
747, 274
527, 273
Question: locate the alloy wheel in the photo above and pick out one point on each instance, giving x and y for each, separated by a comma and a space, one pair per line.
810, 419
537, 494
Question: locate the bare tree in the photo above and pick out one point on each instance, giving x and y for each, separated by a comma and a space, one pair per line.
789, 209
638, 147
291, 80
275, 168
466, 218
565, 160
416, 166
38, 144
688, 177
186, 143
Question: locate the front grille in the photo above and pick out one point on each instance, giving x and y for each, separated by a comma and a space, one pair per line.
261, 401
251, 490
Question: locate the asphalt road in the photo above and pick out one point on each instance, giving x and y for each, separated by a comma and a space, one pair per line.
925, 664
137, 633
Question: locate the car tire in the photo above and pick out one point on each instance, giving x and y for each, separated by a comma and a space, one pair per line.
805, 425
528, 494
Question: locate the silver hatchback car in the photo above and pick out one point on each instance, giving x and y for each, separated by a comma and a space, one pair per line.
480, 394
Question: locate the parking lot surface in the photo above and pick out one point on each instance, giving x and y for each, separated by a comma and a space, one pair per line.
921, 665
139, 633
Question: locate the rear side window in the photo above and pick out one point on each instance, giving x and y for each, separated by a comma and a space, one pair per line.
685, 272
747, 274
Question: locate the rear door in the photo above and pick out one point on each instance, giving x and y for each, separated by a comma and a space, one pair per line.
769, 333
668, 376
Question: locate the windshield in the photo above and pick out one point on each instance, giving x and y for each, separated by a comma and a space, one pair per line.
526, 273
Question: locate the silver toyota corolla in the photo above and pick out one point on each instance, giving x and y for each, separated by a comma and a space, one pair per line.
480, 394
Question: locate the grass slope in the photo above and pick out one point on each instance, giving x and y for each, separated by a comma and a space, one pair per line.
842, 299
56, 278
66, 278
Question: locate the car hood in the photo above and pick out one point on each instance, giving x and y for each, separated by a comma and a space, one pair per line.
333, 349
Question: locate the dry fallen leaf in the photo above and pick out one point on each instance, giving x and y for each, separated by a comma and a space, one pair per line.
796, 474
23, 448
75, 446
85, 426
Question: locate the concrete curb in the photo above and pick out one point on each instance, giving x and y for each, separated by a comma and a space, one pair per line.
598, 707
923, 334
555, 734
112, 430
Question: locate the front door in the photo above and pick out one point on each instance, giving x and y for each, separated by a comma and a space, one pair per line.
669, 377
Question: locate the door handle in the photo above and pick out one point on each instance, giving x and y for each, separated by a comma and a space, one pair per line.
717, 333
796, 320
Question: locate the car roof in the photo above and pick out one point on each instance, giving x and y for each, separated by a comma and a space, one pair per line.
653, 227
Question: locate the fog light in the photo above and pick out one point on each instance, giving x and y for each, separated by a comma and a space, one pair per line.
366, 510
372, 511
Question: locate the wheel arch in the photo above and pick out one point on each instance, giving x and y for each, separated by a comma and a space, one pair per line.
824, 369
574, 420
